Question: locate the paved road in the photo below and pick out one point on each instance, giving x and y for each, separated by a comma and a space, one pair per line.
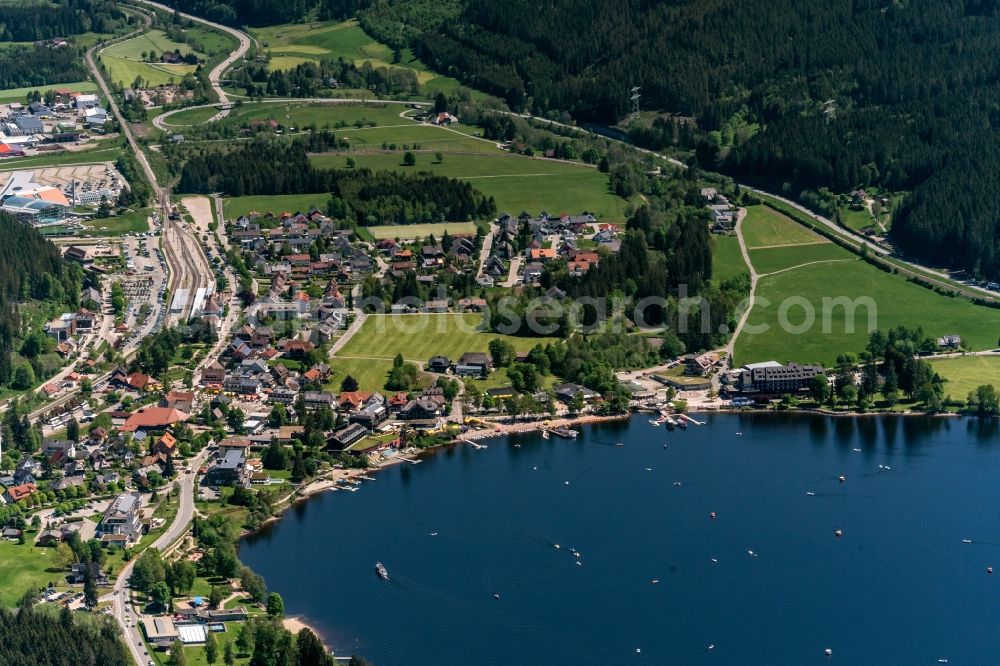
215, 76
128, 619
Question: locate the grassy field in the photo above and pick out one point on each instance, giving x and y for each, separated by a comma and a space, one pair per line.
324, 115
517, 183
421, 336
190, 117
412, 231
132, 222
420, 137
236, 206
22, 566
894, 301
124, 60
331, 40
775, 259
727, 260
856, 219
371, 375
97, 154
766, 227
19, 94
966, 373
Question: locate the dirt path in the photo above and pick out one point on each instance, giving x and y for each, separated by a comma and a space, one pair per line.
753, 285
808, 263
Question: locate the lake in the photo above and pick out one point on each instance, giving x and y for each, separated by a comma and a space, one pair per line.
898, 587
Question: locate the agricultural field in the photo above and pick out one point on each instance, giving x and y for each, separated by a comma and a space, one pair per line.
517, 183
416, 136
419, 336
20, 94
766, 227
413, 231
967, 373
774, 259
124, 60
290, 44
727, 260
326, 115
893, 301
235, 206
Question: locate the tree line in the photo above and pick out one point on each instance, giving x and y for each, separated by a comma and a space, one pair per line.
29, 22
31, 269
364, 197
34, 637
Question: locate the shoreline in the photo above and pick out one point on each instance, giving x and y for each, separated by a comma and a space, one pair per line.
329, 481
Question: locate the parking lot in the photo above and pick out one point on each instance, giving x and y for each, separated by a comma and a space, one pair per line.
91, 181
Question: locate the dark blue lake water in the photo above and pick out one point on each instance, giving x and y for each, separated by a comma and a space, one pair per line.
899, 587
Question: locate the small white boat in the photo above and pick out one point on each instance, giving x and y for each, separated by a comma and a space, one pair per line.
382, 572
434, 533
496, 595
966, 540
545, 434
619, 444
810, 493
655, 422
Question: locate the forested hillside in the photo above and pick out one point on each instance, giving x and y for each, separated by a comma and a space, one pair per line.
31, 269
36, 637
267, 12
28, 22
793, 95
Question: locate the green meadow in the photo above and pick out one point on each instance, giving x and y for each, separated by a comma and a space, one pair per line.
766, 227
419, 336
124, 60
233, 207
414, 231
967, 373
727, 260
816, 328
294, 43
517, 183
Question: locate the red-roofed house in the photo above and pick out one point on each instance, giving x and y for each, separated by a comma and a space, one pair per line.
353, 400
15, 494
165, 445
153, 418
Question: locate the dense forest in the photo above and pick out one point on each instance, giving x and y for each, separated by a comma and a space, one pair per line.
27, 66
31, 269
267, 167
855, 94
36, 637
267, 12
28, 22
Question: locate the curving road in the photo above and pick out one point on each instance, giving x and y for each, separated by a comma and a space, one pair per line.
215, 76
127, 618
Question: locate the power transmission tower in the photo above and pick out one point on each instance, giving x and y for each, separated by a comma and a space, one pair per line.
634, 107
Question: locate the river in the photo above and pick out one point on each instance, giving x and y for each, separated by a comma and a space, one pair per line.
898, 587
